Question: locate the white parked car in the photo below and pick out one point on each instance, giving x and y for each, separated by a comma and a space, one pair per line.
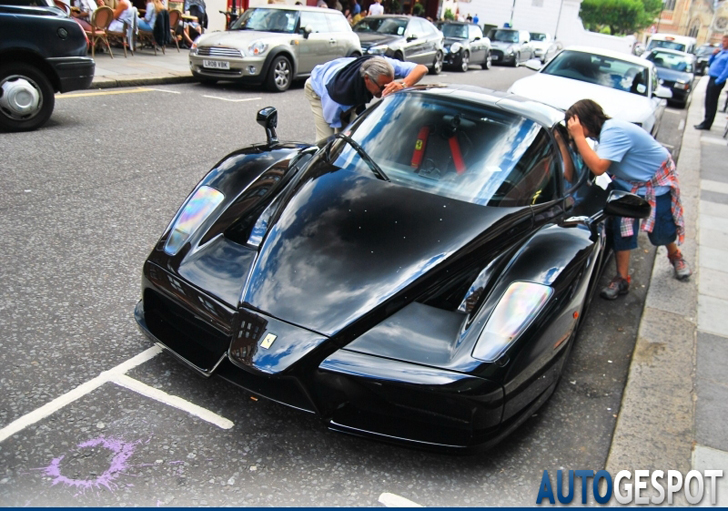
544, 46
626, 86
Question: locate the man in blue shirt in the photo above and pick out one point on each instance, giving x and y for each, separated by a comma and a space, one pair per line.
718, 72
342, 87
639, 164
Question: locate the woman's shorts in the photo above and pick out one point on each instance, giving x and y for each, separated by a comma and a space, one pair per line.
663, 232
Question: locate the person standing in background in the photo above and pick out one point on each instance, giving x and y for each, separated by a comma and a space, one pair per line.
376, 8
718, 72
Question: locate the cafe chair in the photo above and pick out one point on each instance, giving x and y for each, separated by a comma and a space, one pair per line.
175, 16
126, 37
63, 6
100, 21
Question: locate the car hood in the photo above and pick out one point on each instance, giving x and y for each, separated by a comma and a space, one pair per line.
450, 40
500, 45
239, 38
344, 244
564, 92
369, 39
672, 75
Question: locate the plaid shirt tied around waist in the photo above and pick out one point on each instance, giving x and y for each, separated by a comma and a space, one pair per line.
665, 176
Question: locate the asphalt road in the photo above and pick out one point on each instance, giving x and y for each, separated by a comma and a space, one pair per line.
86, 198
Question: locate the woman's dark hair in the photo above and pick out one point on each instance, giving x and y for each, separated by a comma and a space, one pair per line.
590, 115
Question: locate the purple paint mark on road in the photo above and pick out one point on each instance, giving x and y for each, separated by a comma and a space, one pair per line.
122, 452
176, 462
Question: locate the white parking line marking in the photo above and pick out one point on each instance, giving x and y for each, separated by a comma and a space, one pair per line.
392, 500
232, 100
174, 401
681, 125
164, 90
669, 146
713, 140
77, 393
671, 111
115, 375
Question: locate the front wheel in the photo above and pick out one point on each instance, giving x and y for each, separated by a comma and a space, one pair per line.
516, 59
464, 62
437, 64
280, 75
26, 97
488, 61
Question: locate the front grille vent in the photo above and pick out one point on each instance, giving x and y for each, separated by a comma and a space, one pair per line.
219, 51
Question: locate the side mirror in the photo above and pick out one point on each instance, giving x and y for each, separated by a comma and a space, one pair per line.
307, 31
477, 38
620, 203
411, 37
534, 64
663, 92
268, 118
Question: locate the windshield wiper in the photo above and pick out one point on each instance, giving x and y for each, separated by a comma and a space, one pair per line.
364, 156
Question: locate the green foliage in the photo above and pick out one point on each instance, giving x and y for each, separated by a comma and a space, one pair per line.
620, 17
449, 15
418, 9
395, 7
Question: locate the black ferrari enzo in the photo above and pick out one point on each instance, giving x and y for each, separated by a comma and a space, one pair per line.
419, 277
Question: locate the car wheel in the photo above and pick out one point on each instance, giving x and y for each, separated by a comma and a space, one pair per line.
279, 75
26, 97
516, 59
437, 65
464, 61
488, 61
399, 56
354, 54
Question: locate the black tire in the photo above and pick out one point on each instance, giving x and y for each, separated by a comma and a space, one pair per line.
437, 64
487, 63
17, 74
399, 56
280, 75
355, 54
464, 61
516, 59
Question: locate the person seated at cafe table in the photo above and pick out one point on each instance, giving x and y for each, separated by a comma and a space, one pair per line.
82, 12
150, 15
124, 12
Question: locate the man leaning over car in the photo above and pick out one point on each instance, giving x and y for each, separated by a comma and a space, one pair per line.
344, 86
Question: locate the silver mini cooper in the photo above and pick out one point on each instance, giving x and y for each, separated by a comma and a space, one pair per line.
273, 45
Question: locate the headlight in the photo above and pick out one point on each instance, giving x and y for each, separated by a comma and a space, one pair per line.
377, 50
510, 51
455, 47
681, 85
257, 48
197, 208
515, 311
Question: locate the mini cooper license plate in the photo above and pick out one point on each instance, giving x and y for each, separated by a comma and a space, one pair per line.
216, 64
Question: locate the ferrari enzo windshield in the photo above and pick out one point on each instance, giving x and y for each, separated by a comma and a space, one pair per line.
459, 150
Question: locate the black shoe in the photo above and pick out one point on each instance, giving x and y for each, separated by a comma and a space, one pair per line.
618, 286
702, 126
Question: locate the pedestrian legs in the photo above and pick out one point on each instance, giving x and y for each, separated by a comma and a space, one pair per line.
712, 95
323, 130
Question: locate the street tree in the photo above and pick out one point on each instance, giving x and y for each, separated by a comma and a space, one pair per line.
622, 17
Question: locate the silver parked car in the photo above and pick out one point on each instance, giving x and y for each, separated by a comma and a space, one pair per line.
273, 45
407, 38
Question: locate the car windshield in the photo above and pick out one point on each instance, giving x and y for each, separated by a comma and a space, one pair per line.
670, 61
535, 36
601, 70
391, 26
454, 30
705, 51
267, 20
504, 36
670, 45
460, 150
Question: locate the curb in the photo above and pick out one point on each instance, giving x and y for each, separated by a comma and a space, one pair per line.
109, 83
656, 424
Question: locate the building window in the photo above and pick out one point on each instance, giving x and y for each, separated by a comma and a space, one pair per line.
669, 5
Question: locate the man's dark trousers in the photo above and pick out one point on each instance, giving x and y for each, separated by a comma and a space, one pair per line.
712, 95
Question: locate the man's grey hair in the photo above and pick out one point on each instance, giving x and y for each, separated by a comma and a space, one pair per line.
376, 67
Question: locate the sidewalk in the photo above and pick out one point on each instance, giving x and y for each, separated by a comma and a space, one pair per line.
144, 68
675, 404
